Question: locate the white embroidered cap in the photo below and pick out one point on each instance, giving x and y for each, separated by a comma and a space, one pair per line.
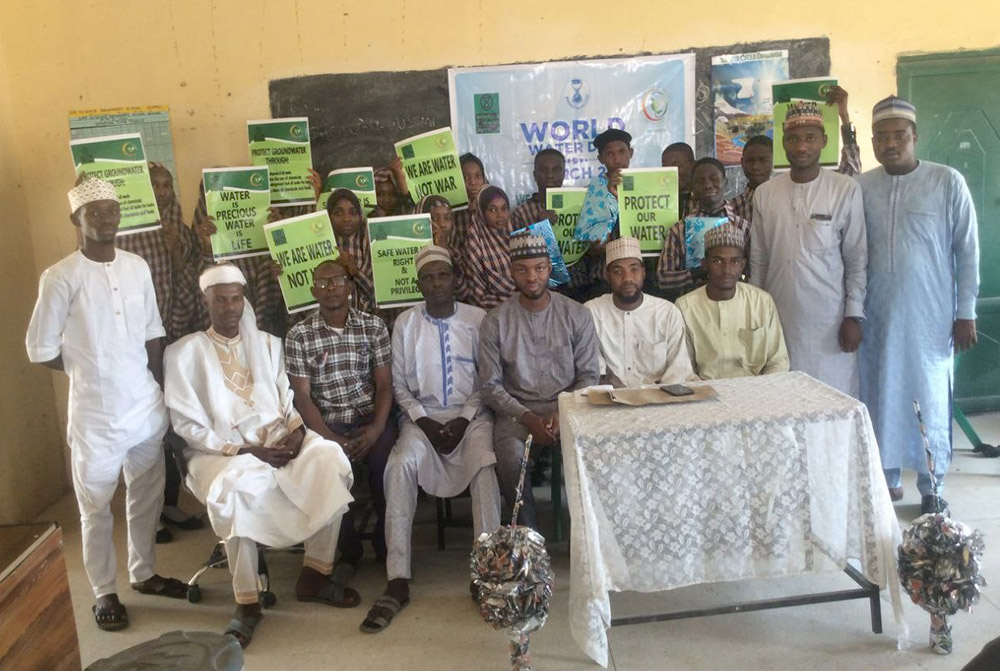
432, 253
224, 273
622, 248
90, 190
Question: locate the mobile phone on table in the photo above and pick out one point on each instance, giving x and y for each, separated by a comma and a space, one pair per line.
677, 389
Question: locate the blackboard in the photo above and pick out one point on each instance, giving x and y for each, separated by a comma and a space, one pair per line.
356, 118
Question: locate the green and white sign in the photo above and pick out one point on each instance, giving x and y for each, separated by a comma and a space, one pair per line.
567, 203
647, 206
298, 245
283, 146
238, 199
430, 162
815, 89
359, 180
395, 242
121, 160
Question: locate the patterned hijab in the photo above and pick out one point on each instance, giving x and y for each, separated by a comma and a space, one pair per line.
487, 257
356, 246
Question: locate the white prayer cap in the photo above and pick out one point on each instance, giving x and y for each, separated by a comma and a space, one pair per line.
432, 253
88, 191
622, 248
224, 273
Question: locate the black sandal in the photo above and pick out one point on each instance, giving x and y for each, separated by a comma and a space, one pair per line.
114, 619
172, 588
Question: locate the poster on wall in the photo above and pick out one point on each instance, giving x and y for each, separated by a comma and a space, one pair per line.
741, 90
507, 114
152, 122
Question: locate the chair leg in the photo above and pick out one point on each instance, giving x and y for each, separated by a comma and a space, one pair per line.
440, 522
557, 494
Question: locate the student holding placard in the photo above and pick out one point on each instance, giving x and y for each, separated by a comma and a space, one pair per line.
395, 242
676, 273
283, 146
351, 233
474, 176
549, 173
486, 257
680, 155
391, 195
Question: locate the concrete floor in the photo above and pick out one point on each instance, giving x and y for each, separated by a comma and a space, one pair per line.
442, 630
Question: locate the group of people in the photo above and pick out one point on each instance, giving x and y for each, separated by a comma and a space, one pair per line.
270, 419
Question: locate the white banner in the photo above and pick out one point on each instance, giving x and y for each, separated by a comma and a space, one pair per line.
507, 114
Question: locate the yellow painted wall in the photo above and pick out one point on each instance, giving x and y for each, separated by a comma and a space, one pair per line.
32, 471
210, 61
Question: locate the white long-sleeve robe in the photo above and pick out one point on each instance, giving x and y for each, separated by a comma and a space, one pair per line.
808, 250
246, 497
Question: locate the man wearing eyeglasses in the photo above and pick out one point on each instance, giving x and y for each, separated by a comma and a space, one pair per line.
808, 250
339, 362
732, 328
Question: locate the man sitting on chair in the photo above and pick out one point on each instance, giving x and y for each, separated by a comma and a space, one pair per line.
263, 476
446, 436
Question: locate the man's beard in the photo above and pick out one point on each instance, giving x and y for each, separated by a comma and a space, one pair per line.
635, 297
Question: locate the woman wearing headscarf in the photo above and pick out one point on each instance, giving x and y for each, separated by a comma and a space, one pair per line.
390, 191
351, 235
486, 256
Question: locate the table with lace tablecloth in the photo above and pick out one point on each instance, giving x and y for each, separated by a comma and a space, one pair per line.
757, 482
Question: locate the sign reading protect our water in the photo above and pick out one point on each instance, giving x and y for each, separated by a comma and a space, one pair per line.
567, 203
647, 206
507, 114
121, 160
395, 242
283, 146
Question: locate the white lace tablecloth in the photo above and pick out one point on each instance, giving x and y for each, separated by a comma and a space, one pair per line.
750, 484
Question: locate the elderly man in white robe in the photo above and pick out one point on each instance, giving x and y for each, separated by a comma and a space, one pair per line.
263, 476
641, 336
96, 320
808, 250
446, 433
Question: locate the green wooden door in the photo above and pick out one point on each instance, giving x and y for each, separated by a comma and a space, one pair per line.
957, 96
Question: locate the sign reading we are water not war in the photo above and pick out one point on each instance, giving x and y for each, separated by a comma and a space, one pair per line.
283, 146
121, 160
395, 242
238, 199
566, 203
647, 206
430, 162
298, 245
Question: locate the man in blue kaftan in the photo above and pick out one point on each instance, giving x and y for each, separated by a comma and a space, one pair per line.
923, 278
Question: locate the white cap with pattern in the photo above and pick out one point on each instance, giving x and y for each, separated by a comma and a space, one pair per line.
90, 190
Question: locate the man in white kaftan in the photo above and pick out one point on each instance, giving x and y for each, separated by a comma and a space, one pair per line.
96, 319
262, 476
923, 279
808, 250
445, 441
641, 336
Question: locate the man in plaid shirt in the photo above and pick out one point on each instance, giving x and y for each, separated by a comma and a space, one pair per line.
339, 363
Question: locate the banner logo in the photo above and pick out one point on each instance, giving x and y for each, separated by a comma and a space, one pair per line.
279, 237
317, 226
577, 93
256, 179
296, 131
361, 181
655, 103
420, 228
130, 149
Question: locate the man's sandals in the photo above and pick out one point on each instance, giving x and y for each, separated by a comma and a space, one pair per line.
111, 619
381, 613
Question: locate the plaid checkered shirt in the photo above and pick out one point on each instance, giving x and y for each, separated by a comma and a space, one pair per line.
340, 368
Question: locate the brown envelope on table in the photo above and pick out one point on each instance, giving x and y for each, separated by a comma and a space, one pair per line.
647, 396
